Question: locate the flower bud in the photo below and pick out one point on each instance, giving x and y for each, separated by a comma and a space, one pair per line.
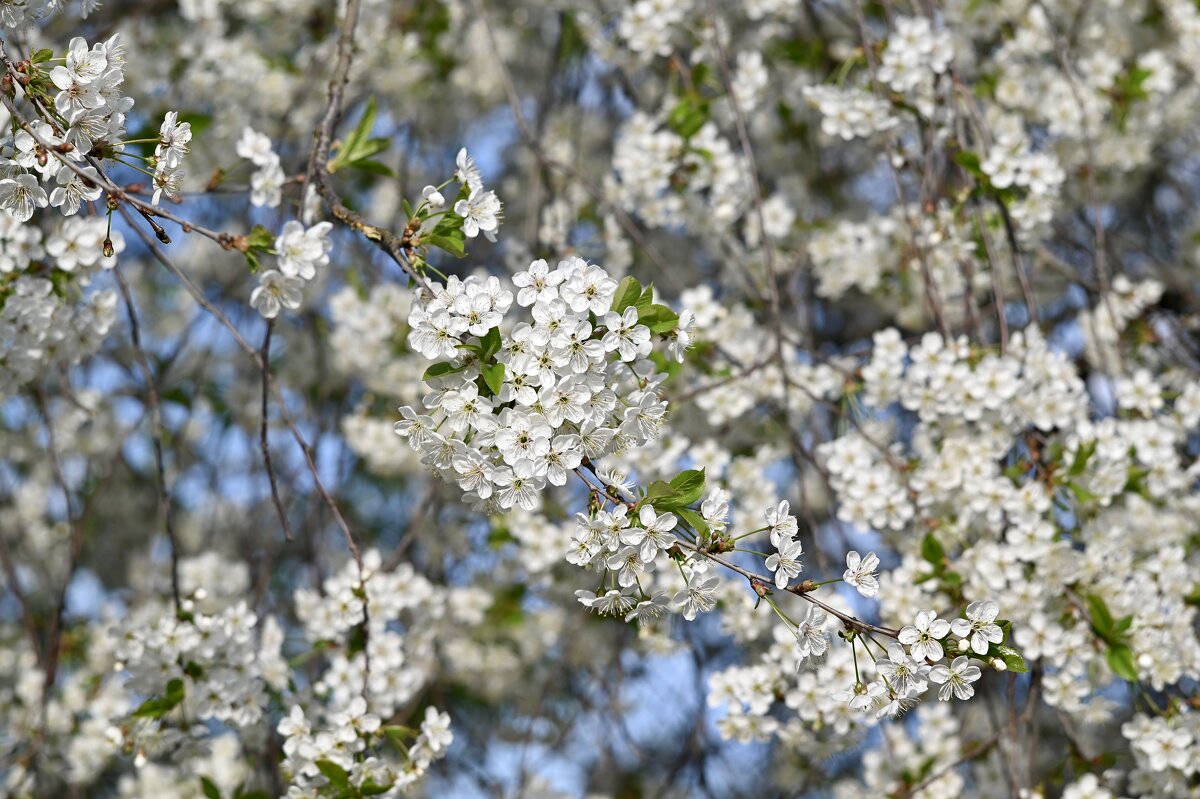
433, 197
999, 665
963, 645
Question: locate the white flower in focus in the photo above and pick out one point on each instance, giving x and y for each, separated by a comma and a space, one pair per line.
480, 211
955, 678
979, 626
699, 597
923, 636
860, 572
786, 562
810, 633
20, 195
173, 139
467, 173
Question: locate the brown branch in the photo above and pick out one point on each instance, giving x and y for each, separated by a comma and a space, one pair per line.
152, 399
263, 443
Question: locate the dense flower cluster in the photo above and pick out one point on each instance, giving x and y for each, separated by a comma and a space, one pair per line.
512, 411
299, 251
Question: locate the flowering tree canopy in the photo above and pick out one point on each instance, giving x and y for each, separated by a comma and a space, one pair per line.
614, 398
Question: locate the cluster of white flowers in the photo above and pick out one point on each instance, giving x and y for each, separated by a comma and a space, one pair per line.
1102, 325
204, 664
799, 669
646, 26
850, 113
299, 251
1010, 164
513, 410
1053, 468
853, 255
266, 184
651, 163
335, 754
1163, 747
914, 53
38, 329
88, 98
400, 664
628, 551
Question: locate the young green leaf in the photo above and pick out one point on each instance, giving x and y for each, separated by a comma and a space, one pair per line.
1120, 660
629, 290
441, 370
260, 238
159, 706
1012, 659
489, 343
932, 551
338, 777
210, 789
493, 376
688, 486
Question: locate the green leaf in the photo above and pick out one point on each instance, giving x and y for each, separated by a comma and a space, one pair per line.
660, 494
373, 168
1102, 620
252, 261
159, 706
970, 161
41, 56
489, 343
932, 551
493, 376
659, 318
369, 788
694, 520
1005, 628
689, 486
356, 641
440, 370
688, 116
1081, 493
1082, 456
629, 290
338, 777
200, 122
210, 788
366, 149
358, 144
260, 238
647, 298
1012, 659
1120, 660
452, 241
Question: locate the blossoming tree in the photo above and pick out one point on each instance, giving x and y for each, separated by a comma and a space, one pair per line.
667, 398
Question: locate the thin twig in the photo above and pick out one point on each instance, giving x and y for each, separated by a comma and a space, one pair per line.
164, 494
263, 442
